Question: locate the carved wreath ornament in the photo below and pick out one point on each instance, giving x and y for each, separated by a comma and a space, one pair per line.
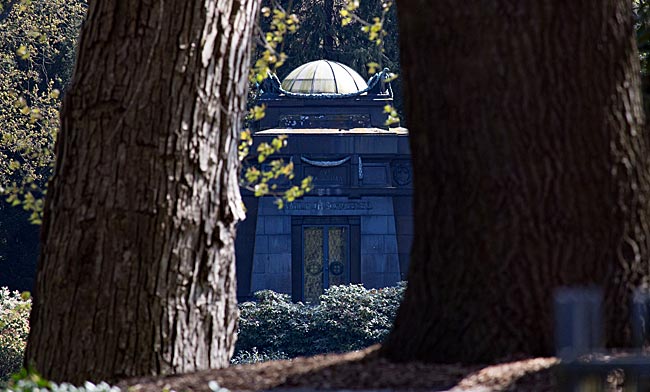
325, 163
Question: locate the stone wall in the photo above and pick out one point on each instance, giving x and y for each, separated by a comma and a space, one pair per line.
379, 238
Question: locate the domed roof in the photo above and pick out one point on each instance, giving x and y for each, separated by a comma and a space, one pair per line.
324, 77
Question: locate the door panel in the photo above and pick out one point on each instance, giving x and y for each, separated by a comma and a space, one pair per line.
325, 259
314, 262
337, 240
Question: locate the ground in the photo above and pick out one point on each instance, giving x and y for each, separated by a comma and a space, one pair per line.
363, 370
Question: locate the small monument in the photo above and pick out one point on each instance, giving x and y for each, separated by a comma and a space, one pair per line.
356, 225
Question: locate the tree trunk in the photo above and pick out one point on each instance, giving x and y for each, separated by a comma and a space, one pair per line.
531, 172
136, 274
329, 31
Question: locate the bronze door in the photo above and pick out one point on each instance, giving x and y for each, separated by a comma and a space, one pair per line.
325, 259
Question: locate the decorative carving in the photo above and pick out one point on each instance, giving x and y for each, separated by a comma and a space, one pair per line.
271, 85
313, 269
342, 121
325, 163
336, 268
360, 169
402, 173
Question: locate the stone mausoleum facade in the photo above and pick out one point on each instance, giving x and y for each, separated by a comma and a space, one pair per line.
356, 225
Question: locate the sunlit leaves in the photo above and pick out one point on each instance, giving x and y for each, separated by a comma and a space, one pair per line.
373, 67
257, 112
393, 117
263, 151
269, 178
373, 29
246, 141
347, 13
22, 52
375, 32
36, 55
282, 23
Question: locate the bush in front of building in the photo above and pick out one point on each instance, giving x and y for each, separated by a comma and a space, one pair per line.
348, 318
255, 356
14, 328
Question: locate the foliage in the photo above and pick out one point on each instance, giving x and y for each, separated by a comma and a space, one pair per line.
271, 40
29, 381
275, 177
375, 29
254, 356
362, 34
268, 179
37, 55
325, 34
376, 33
339, 30
14, 328
347, 318
37, 46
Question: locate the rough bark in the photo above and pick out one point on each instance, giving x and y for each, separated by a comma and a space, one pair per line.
531, 172
136, 274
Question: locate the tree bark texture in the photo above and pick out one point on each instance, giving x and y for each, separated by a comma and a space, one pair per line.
136, 274
531, 172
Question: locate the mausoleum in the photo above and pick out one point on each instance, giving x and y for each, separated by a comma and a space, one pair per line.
356, 225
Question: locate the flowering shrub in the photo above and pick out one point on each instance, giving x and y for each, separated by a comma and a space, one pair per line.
14, 328
347, 318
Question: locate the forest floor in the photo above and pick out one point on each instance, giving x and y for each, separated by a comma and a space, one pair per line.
362, 370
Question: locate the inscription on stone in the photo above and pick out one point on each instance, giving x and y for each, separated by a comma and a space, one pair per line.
328, 176
329, 205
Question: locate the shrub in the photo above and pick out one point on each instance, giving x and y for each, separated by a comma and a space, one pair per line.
274, 324
27, 381
351, 317
347, 318
14, 328
254, 356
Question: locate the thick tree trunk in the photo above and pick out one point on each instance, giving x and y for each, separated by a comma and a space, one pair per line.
136, 274
531, 172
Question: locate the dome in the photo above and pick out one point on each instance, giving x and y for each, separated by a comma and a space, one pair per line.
324, 77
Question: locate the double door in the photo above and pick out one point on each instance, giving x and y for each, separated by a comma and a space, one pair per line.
326, 259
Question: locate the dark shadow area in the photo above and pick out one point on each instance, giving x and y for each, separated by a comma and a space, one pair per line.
364, 370
19, 242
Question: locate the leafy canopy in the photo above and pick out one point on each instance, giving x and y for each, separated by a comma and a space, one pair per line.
37, 48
